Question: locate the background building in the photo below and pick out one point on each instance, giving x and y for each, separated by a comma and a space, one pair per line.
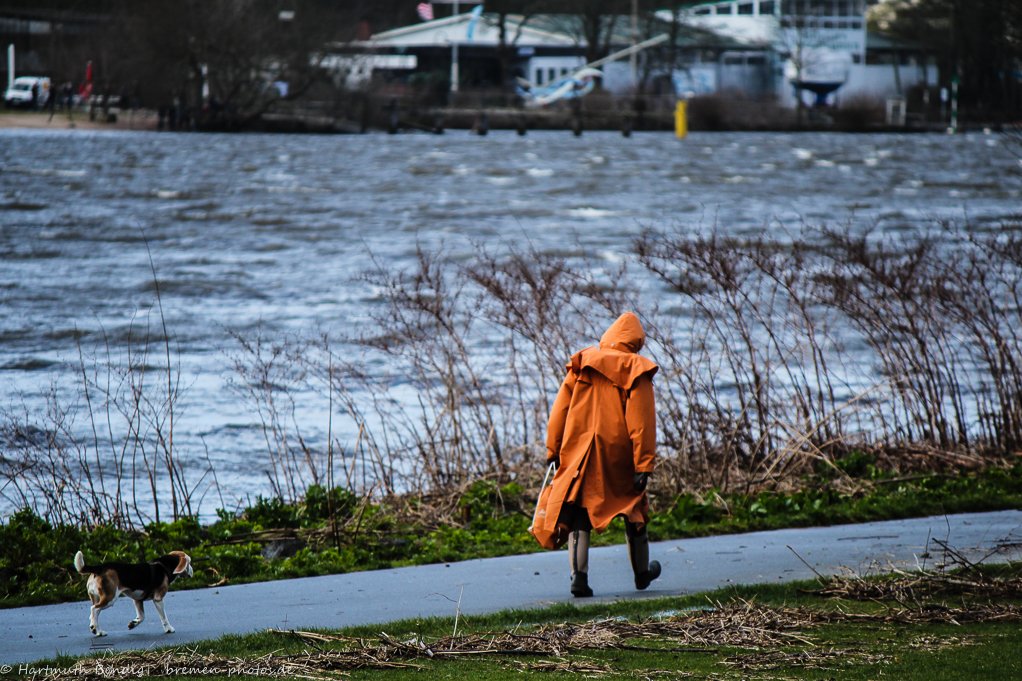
820, 42
747, 49
543, 48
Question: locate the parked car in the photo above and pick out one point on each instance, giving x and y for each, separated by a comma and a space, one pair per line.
21, 92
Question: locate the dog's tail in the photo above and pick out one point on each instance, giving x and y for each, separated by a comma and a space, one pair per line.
80, 564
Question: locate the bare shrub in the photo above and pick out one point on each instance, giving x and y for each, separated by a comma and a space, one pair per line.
269, 374
758, 383
858, 113
103, 451
44, 466
887, 288
473, 355
123, 467
483, 347
548, 308
941, 312
708, 112
756, 376
424, 325
747, 383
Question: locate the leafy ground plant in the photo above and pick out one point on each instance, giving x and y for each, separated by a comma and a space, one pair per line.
817, 630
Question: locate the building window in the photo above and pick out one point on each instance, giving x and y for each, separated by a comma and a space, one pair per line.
703, 10
564, 72
745, 8
766, 7
552, 74
724, 9
856, 58
539, 76
855, 25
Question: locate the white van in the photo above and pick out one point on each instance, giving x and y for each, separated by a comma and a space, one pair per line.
20, 93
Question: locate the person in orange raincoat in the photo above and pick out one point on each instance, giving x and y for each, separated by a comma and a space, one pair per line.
602, 438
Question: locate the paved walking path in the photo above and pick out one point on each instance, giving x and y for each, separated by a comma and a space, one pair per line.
489, 585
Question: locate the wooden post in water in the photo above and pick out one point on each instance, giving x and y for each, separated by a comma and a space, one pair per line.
482, 124
395, 117
363, 118
954, 105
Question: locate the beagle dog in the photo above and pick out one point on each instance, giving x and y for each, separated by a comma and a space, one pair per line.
139, 582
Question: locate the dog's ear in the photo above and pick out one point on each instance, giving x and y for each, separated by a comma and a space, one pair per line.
183, 562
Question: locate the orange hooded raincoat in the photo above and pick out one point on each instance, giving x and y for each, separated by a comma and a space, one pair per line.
603, 428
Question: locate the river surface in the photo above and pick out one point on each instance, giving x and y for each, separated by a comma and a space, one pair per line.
269, 232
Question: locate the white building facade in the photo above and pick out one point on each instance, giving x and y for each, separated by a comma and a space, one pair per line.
821, 44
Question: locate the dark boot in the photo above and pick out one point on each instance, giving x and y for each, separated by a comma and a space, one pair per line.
578, 552
638, 552
643, 580
580, 585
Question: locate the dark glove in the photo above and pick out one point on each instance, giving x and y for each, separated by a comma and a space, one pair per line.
556, 461
640, 481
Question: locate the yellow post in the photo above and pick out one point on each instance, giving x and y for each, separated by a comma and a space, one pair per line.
681, 119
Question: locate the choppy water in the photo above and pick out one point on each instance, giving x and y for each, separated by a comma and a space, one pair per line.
268, 231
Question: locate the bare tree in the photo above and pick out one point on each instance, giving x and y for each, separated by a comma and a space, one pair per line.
229, 61
592, 23
804, 41
511, 16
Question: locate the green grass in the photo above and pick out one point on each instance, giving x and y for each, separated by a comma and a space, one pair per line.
878, 650
36, 569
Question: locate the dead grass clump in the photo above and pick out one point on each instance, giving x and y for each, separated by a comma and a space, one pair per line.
955, 575
587, 667
738, 625
905, 459
909, 588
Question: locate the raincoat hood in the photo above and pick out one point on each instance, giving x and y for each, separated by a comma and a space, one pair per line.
616, 357
624, 335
